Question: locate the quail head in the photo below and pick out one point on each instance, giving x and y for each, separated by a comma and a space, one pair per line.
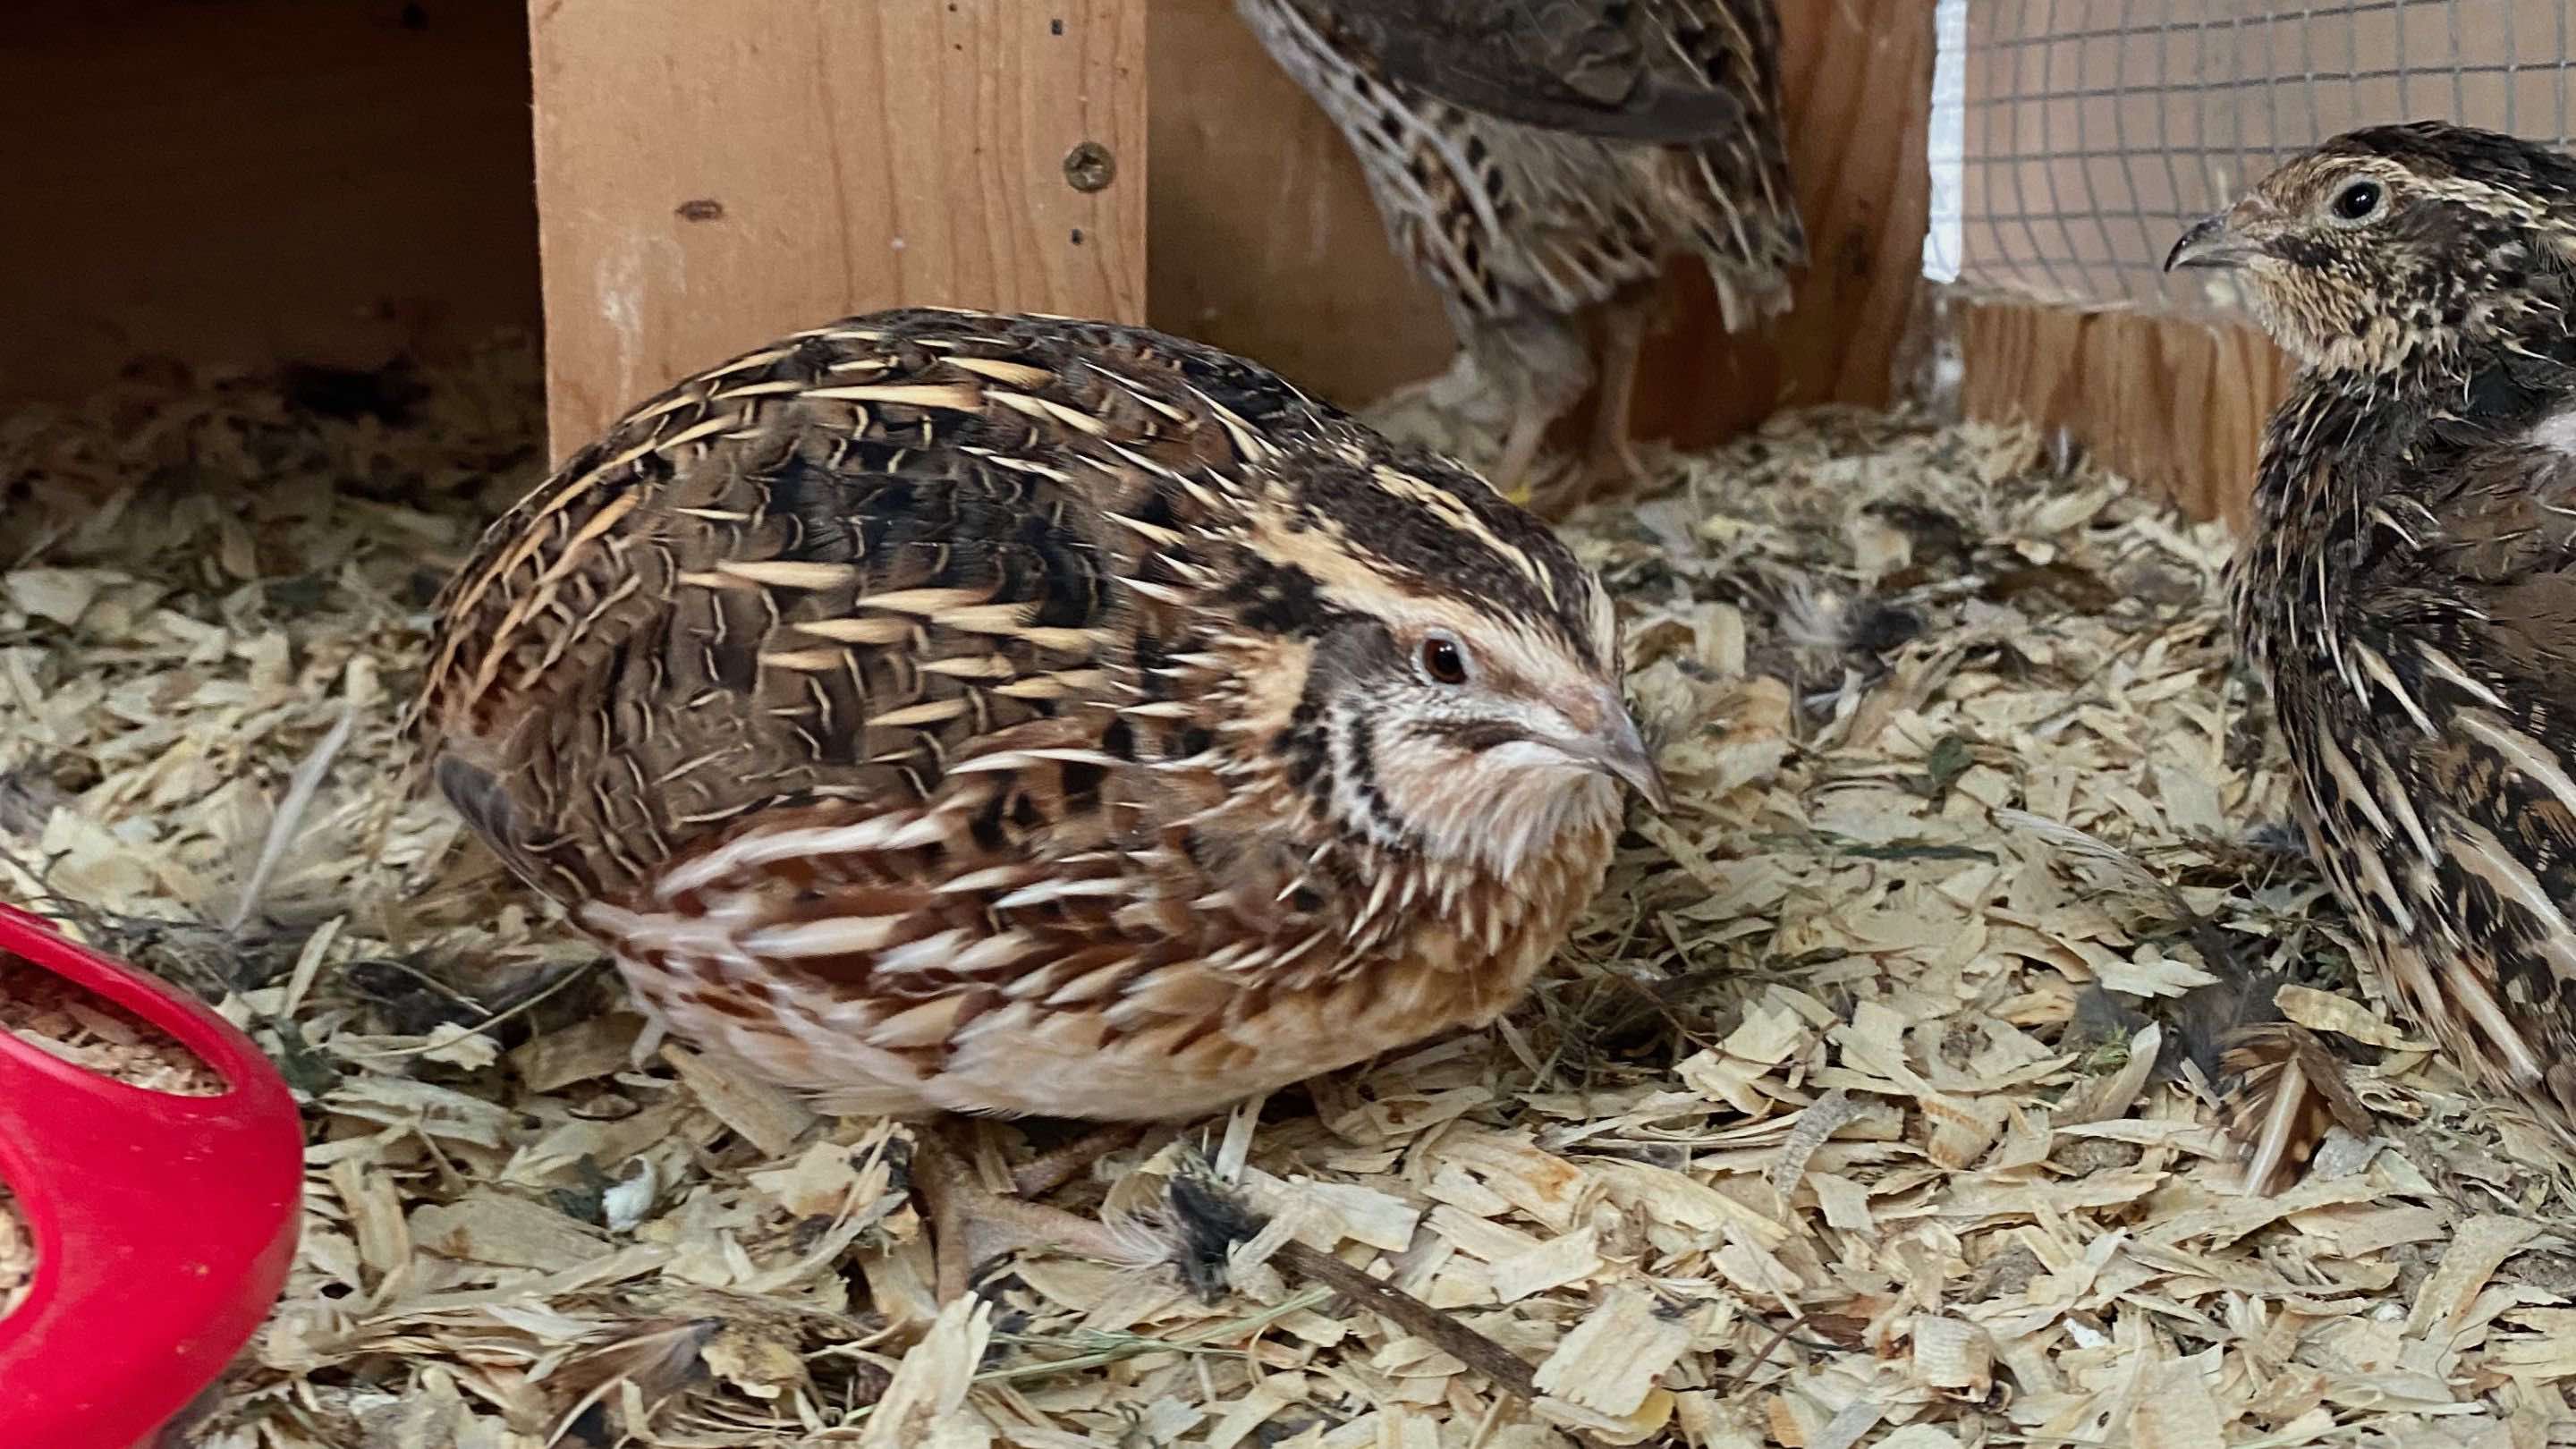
2408, 591
1536, 163
950, 712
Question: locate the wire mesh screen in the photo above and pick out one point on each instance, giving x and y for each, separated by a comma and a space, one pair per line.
2073, 139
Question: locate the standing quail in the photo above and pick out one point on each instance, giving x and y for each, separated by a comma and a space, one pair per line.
948, 712
2409, 589
1535, 161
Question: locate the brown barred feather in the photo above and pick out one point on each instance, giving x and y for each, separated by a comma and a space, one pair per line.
1640, 73
947, 711
2288, 1090
2409, 588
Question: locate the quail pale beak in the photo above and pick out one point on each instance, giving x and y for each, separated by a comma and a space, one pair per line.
1622, 754
2211, 242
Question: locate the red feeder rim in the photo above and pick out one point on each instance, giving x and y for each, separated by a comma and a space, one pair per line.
163, 1224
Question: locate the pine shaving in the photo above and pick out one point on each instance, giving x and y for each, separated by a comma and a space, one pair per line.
1831, 1127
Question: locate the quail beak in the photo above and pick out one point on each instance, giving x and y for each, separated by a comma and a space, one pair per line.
2212, 242
1621, 753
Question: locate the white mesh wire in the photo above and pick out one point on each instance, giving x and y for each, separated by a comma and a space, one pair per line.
2072, 140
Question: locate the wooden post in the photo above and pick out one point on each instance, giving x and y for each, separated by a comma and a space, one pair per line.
711, 175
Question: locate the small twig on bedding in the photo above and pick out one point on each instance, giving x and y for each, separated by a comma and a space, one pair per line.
1507, 1370
498, 1018
301, 788
1206, 1214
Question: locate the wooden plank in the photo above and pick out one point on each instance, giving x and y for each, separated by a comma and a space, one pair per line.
1265, 240
709, 176
2174, 403
258, 182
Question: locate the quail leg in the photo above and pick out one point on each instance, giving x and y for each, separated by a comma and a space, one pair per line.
1609, 457
971, 1224
1612, 457
1419, 393
1520, 451
1435, 411
1057, 1166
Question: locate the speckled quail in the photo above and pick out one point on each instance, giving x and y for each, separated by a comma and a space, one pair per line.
1538, 161
950, 712
2409, 588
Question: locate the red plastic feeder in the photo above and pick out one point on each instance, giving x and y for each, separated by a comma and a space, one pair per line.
163, 1224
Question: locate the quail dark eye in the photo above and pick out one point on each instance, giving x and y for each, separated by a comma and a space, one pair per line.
1443, 661
2356, 201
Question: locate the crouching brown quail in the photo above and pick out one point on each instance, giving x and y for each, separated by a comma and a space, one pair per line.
2408, 591
949, 712
1540, 163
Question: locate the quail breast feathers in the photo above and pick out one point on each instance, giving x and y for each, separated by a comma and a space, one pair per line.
1535, 161
2408, 591
942, 711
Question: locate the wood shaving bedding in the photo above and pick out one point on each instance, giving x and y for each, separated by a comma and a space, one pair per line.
1840, 1123
97, 1034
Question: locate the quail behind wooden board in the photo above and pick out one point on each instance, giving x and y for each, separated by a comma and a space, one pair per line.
1539, 163
2408, 591
950, 712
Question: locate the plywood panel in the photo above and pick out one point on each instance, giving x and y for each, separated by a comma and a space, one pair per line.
711, 175
1265, 240
259, 181
2175, 403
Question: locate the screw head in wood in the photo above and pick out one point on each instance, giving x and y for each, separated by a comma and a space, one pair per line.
1090, 167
